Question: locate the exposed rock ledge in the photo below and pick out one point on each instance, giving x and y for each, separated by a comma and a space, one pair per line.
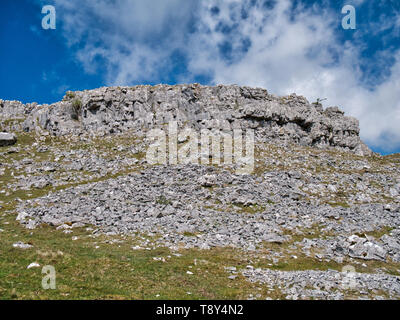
118, 109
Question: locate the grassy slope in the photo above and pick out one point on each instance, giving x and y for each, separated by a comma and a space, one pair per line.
115, 271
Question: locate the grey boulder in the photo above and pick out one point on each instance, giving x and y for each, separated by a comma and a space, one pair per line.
7, 139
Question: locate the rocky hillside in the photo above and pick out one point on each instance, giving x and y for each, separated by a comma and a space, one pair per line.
116, 110
318, 202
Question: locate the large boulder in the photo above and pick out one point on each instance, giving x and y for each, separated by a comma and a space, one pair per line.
7, 139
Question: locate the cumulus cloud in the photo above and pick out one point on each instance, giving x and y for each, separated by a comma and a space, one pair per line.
272, 44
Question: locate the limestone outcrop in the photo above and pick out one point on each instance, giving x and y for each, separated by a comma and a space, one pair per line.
111, 110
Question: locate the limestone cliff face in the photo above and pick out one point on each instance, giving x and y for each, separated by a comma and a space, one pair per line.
118, 109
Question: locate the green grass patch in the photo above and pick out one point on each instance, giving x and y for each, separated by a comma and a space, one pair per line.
96, 268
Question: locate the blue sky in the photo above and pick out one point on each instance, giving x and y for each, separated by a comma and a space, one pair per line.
284, 46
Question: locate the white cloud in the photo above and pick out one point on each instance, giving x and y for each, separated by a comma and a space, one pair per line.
130, 40
289, 52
